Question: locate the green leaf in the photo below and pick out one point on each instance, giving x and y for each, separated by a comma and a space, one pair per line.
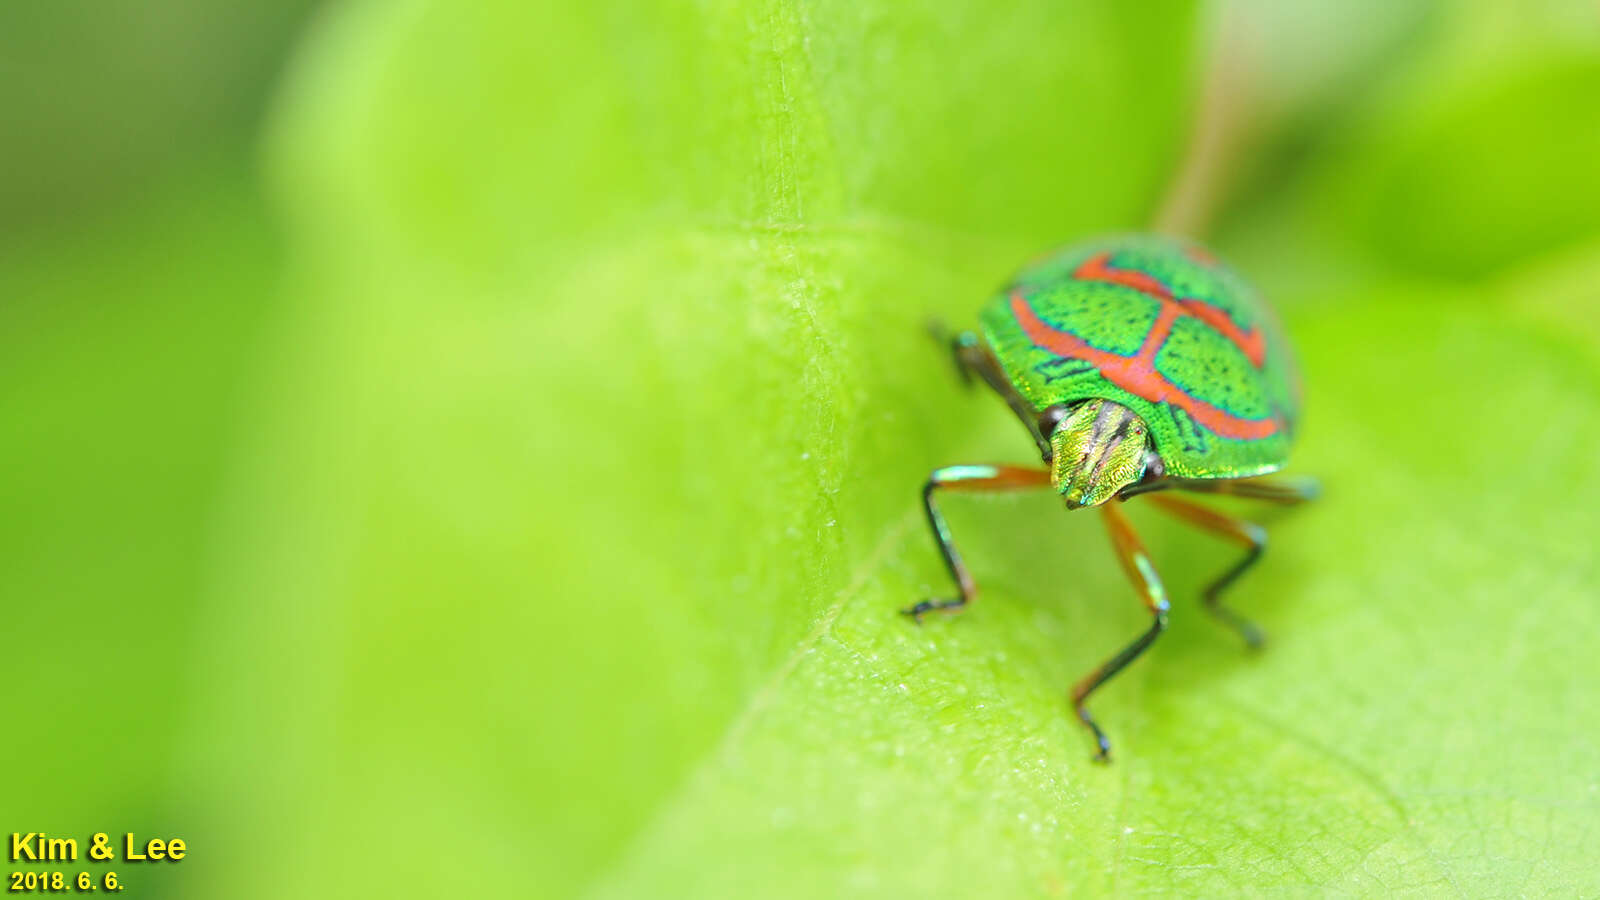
1471, 150
100, 100
1484, 171
127, 344
569, 553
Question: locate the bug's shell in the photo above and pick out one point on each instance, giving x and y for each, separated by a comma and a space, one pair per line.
1157, 325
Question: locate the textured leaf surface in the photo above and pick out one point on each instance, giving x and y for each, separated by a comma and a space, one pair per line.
579, 521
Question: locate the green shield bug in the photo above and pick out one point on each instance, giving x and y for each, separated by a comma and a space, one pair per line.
1139, 365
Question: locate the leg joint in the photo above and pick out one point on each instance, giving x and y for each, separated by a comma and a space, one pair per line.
1256, 535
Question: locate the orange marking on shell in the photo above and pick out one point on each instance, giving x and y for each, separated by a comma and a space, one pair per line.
1137, 374
1252, 343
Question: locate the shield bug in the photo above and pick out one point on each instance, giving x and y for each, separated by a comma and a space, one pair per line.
1140, 365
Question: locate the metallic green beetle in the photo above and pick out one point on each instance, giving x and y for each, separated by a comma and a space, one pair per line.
1138, 364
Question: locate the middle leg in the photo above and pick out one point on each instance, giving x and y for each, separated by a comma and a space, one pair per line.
973, 357
1248, 534
1137, 564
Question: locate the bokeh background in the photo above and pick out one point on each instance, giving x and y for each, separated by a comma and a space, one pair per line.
472, 448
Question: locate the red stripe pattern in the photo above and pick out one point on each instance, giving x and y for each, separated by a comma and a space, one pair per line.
1137, 374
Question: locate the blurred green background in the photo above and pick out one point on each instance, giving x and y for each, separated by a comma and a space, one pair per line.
473, 447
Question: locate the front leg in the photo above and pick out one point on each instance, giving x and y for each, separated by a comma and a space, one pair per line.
1130, 552
975, 478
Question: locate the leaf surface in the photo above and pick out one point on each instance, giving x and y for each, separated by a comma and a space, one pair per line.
580, 525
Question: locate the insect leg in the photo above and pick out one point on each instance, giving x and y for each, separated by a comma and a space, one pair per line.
960, 346
977, 478
1137, 564
973, 357
1252, 536
1284, 489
